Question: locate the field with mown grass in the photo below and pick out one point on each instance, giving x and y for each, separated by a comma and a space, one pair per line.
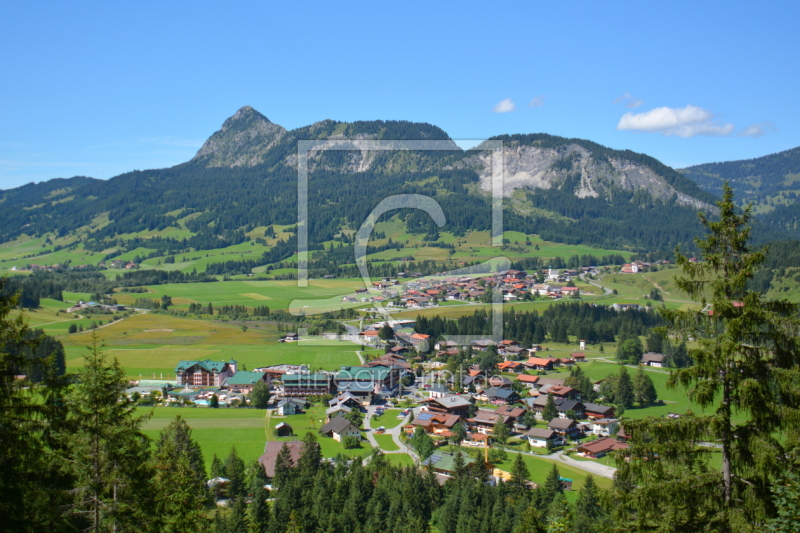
312, 421
152, 344
215, 430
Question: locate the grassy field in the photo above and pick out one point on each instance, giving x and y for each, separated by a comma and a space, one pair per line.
215, 430
675, 400
539, 467
388, 420
400, 460
274, 294
386, 442
312, 421
152, 344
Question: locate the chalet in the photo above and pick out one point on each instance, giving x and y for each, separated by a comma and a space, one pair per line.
511, 366
562, 406
434, 422
562, 391
653, 359
447, 404
244, 381
444, 463
306, 384
604, 427
565, 427
600, 447
578, 357
283, 430
391, 360
513, 351
438, 391
339, 427
337, 410
419, 341
204, 373
539, 437
290, 406
545, 384
501, 382
514, 413
476, 439
594, 411
565, 406
501, 396
538, 363
528, 381
484, 421
346, 399
271, 451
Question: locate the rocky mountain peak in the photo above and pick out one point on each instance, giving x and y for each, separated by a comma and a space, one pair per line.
242, 141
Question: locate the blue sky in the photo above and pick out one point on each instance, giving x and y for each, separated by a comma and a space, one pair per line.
98, 89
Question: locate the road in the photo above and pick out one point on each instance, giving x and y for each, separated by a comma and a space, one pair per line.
394, 432
588, 466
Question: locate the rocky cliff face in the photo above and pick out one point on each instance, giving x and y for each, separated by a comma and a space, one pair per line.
242, 141
571, 165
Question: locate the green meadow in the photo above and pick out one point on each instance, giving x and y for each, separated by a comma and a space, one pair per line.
150, 345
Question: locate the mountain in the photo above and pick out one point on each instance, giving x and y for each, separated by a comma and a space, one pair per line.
245, 178
242, 141
767, 182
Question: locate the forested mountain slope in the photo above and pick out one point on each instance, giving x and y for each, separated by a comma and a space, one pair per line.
245, 177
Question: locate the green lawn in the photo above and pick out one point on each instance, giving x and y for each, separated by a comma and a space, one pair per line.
400, 460
388, 420
386, 442
312, 421
215, 430
151, 344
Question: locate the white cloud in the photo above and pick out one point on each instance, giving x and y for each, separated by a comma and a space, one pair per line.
688, 121
757, 130
629, 100
538, 101
505, 106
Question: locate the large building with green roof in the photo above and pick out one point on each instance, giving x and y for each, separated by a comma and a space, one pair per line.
206, 373
244, 381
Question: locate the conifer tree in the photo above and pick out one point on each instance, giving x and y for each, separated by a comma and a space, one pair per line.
550, 412
519, 473
233, 467
500, 431
32, 428
559, 519
179, 481
216, 472
644, 390
259, 396
624, 395
590, 517
283, 466
745, 375
552, 486
108, 455
237, 517
258, 512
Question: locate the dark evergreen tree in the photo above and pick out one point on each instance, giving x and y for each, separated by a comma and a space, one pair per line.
745, 376
233, 467
549, 412
180, 479
108, 455
624, 394
259, 396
